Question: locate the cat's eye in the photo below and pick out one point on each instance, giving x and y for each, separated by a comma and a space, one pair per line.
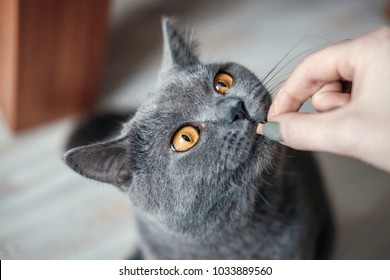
185, 138
222, 82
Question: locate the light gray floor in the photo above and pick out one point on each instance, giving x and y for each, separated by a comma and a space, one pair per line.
48, 212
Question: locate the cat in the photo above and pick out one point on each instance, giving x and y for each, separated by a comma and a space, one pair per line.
203, 184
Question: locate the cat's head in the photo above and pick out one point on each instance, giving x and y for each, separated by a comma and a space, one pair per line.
190, 154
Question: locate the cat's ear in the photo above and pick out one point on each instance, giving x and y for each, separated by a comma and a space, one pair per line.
106, 162
176, 50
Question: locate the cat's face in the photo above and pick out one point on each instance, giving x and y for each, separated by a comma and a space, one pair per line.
191, 152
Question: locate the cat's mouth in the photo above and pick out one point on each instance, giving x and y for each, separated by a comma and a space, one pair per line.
241, 145
238, 144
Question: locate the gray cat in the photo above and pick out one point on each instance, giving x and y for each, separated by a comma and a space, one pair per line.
203, 184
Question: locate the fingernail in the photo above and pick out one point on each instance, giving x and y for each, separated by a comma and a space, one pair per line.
271, 130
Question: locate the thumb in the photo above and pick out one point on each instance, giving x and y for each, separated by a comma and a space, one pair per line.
304, 131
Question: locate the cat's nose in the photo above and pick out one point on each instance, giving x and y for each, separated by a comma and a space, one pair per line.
231, 109
238, 112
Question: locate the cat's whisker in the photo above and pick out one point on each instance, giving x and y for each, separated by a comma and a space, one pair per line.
192, 34
186, 33
277, 87
277, 82
272, 92
280, 76
261, 196
188, 20
264, 79
265, 200
268, 75
267, 183
286, 64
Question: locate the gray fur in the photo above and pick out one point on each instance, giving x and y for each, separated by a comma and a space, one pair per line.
235, 195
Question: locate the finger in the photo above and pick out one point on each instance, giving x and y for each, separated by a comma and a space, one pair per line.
313, 132
324, 101
325, 66
333, 86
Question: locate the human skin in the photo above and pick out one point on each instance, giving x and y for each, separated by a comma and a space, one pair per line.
354, 124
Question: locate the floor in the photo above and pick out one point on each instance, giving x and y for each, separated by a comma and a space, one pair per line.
49, 212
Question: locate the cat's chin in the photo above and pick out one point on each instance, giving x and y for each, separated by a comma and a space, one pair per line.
238, 145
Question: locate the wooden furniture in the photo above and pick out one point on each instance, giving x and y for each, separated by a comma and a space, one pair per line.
51, 58
388, 11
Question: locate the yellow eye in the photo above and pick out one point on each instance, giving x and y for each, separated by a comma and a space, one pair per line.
222, 82
185, 139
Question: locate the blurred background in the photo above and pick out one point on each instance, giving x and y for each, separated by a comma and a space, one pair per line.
49, 212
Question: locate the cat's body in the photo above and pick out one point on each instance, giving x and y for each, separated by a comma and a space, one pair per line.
281, 228
203, 184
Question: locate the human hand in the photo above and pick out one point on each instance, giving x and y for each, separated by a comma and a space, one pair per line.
355, 124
